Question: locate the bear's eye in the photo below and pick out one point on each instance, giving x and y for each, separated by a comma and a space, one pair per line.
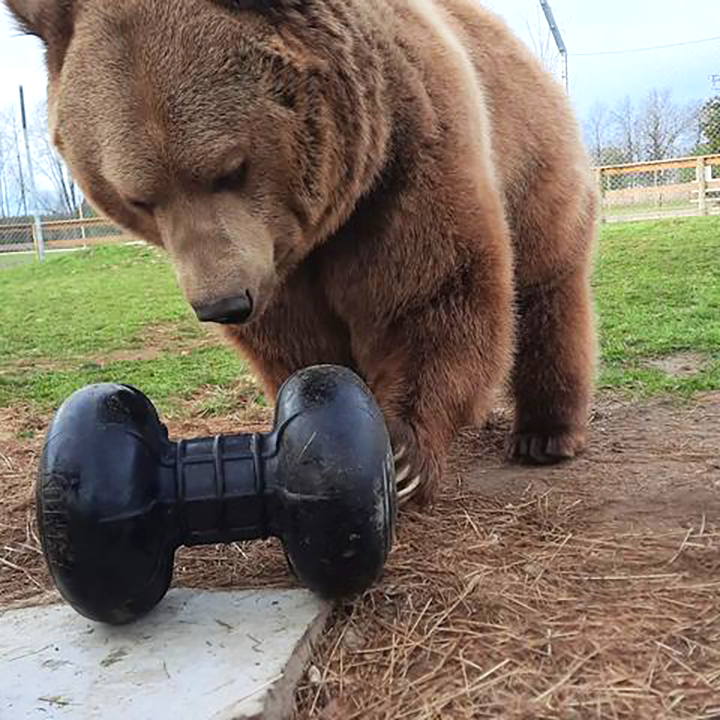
141, 206
232, 181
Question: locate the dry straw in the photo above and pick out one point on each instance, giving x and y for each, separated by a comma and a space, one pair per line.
518, 612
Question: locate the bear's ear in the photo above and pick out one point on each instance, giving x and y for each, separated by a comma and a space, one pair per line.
50, 20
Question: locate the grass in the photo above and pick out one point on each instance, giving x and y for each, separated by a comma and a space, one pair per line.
86, 302
630, 209
10, 258
64, 320
90, 316
657, 287
167, 379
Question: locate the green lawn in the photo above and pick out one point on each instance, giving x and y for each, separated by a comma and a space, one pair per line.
88, 302
64, 320
669, 206
657, 287
90, 316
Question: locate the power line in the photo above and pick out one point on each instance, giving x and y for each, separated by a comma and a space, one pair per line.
647, 49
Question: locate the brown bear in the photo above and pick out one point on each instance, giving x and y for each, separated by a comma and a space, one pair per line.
392, 185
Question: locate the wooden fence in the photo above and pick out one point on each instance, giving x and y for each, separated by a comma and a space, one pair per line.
665, 188
60, 234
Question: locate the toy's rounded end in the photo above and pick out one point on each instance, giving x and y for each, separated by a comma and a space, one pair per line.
102, 531
337, 481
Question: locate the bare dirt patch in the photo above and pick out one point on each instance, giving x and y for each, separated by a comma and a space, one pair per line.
154, 340
587, 590
649, 466
158, 339
680, 365
214, 410
22, 570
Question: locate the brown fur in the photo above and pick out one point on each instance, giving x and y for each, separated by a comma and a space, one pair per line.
416, 202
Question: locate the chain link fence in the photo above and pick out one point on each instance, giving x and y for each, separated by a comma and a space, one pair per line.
679, 187
660, 160
23, 238
656, 147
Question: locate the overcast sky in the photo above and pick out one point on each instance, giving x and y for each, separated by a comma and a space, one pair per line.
587, 27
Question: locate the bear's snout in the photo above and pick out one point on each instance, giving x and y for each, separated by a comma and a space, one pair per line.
228, 311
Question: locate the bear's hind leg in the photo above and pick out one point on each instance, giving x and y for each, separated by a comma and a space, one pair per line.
553, 371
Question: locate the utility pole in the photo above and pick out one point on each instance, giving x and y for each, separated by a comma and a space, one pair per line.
562, 49
21, 175
3, 213
3, 161
31, 182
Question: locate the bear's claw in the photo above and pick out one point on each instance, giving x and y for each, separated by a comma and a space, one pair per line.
406, 489
406, 493
543, 448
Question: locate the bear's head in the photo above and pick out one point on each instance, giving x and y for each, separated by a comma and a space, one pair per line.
203, 127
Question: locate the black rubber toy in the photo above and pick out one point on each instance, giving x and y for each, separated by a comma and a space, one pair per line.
116, 497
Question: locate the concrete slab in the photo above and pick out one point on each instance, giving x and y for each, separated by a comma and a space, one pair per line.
199, 655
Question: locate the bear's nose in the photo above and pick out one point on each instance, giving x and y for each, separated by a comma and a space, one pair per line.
228, 311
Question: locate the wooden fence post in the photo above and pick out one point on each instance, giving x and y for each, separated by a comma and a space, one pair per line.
33, 235
600, 180
81, 216
702, 186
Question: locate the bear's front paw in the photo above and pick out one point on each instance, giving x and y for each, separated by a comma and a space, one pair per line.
544, 448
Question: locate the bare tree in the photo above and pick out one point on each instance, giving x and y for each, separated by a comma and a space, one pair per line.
56, 189
624, 119
597, 128
663, 125
12, 184
4, 168
61, 194
543, 43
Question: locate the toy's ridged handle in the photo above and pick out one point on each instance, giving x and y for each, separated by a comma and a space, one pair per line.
217, 493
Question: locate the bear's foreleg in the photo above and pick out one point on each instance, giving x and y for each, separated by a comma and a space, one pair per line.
437, 368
